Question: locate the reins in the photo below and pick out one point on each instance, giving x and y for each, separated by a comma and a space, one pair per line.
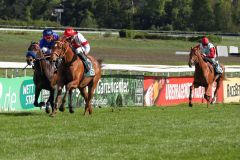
66, 64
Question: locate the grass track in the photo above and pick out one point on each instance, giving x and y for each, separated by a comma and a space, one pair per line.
115, 50
126, 133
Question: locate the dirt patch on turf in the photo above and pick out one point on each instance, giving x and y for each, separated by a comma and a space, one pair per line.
116, 55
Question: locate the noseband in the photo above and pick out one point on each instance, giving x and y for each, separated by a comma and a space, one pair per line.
57, 53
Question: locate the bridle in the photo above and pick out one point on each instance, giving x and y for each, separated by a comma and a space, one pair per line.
194, 56
63, 50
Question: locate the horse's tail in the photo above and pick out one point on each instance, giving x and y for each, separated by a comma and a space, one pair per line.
224, 73
100, 61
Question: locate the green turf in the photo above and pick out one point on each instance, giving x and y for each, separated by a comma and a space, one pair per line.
124, 133
113, 49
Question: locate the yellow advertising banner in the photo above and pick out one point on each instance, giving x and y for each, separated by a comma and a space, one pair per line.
231, 90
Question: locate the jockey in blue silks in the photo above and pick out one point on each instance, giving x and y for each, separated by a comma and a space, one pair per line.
46, 43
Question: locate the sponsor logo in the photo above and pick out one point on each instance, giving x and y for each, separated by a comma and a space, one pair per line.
233, 90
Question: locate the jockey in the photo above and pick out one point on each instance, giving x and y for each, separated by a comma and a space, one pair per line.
49, 37
81, 47
209, 54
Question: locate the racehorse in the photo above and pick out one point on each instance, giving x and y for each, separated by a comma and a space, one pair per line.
44, 77
204, 75
71, 74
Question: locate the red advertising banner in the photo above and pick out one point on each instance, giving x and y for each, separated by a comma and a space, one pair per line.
162, 91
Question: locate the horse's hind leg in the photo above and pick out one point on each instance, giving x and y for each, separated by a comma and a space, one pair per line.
218, 82
70, 102
50, 101
190, 96
85, 96
91, 89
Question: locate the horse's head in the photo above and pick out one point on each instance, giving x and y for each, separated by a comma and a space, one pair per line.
194, 56
59, 50
32, 52
34, 46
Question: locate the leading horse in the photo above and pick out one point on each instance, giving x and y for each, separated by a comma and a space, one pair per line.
204, 75
71, 75
43, 77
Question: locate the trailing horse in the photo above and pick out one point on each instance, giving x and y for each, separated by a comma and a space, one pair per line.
71, 75
43, 77
204, 75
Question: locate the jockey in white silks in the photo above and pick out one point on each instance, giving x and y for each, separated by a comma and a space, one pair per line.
81, 47
209, 54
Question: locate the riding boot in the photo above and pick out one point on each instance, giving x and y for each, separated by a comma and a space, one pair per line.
89, 71
84, 58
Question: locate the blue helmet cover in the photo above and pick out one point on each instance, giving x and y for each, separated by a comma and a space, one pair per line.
31, 54
47, 32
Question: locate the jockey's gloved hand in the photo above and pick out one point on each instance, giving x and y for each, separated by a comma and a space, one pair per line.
44, 49
79, 50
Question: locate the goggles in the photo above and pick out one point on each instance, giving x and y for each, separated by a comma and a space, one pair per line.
48, 37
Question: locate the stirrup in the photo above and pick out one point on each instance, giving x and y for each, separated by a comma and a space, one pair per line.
90, 73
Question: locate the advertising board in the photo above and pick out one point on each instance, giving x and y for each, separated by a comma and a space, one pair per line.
163, 91
231, 90
16, 94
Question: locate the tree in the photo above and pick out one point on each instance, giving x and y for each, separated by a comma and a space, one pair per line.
202, 15
108, 13
223, 15
88, 20
150, 13
236, 14
181, 14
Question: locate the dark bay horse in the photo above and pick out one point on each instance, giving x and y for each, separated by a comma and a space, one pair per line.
71, 75
43, 77
204, 75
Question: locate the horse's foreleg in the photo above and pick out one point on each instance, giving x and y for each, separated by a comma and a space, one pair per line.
50, 101
62, 106
37, 93
69, 87
190, 96
57, 100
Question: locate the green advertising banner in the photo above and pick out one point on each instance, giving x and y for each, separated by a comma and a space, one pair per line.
16, 94
117, 90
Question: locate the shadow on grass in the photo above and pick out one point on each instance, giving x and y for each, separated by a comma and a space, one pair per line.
16, 114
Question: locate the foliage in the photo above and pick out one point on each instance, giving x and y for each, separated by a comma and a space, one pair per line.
124, 33
36, 23
212, 38
195, 15
202, 15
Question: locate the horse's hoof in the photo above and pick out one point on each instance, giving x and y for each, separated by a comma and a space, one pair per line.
62, 109
52, 115
71, 111
190, 105
47, 109
41, 104
36, 104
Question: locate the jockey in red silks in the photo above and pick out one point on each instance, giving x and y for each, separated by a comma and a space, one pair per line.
81, 47
209, 54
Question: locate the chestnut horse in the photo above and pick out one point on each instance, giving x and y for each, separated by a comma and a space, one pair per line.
43, 77
71, 74
204, 75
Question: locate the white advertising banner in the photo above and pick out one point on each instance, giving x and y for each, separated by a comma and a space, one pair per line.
231, 90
